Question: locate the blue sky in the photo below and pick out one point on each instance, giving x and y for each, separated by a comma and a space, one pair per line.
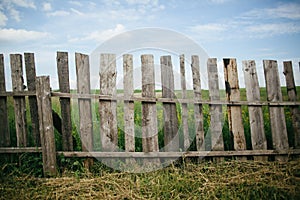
244, 29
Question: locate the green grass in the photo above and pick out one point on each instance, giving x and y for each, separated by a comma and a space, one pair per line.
205, 180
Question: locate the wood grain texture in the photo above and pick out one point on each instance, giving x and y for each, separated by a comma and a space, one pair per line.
65, 103
171, 137
85, 108
277, 117
31, 84
19, 102
108, 109
292, 95
198, 113
4, 127
215, 110
128, 105
258, 137
236, 127
184, 106
46, 125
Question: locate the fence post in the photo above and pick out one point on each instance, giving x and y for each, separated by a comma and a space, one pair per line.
171, 136
128, 105
258, 137
235, 119
85, 109
65, 103
46, 125
31, 76
19, 102
292, 95
277, 117
215, 110
198, 113
184, 106
4, 128
108, 109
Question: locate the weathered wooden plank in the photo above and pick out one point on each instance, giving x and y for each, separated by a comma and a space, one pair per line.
215, 110
31, 76
277, 117
171, 137
258, 137
184, 106
188, 154
149, 121
19, 102
46, 125
128, 105
65, 103
85, 108
4, 128
108, 109
198, 114
235, 119
292, 95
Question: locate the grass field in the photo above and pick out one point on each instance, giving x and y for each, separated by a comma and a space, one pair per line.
21, 175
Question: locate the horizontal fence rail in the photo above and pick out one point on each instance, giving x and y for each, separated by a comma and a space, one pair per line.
171, 136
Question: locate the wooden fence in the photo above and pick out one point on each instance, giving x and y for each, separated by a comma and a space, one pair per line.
40, 99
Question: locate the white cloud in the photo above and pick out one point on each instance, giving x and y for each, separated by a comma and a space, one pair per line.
20, 35
287, 11
76, 11
14, 14
47, 7
209, 27
59, 13
24, 3
3, 19
100, 36
219, 1
76, 3
263, 30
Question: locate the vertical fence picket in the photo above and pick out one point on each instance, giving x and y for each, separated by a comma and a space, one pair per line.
65, 103
149, 121
31, 78
46, 125
84, 105
4, 128
235, 119
277, 117
128, 105
198, 113
258, 137
19, 102
292, 96
215, 110
108, 109
171, 137
184, 106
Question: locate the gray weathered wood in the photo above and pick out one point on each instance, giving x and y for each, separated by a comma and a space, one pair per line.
108, 109
46, 125
149, 121
19, 102
258, 137
292, 95
187, 154
31, 76
235, 119
85, 108
215, 110
200, 144
65, 103
277, 117
171, 137
184, 106
128, 105
4, 127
